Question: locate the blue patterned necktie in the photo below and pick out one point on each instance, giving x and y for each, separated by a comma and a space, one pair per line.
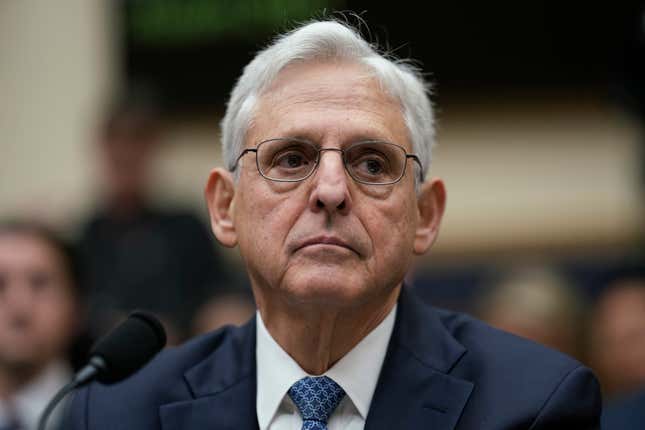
316, 398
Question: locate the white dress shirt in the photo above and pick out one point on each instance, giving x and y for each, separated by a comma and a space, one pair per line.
30, 401
357, 373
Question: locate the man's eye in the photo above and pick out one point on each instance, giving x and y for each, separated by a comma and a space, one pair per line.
371, 166
291, 160
374, 167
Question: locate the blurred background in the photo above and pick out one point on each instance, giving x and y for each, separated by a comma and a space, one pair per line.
109, 115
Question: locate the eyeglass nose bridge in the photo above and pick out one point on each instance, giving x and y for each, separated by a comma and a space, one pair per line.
319, 158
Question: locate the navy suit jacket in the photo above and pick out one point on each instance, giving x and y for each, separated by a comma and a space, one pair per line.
442, 371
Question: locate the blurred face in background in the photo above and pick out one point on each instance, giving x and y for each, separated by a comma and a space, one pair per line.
538, 304
126, 150
37, 303
618, 338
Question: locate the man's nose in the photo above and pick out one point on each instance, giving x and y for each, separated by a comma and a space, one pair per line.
331, 182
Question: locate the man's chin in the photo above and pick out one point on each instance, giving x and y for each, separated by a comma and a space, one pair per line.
324, 288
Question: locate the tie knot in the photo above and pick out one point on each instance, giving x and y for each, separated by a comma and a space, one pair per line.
316, 397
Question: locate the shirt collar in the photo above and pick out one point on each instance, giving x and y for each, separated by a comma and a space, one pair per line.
357, 372
31, 399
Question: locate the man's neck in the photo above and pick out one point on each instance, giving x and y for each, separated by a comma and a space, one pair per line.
317, 337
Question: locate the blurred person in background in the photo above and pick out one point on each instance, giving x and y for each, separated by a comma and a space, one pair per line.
618, 337
137, 255
618, 352
40, 314
539, 304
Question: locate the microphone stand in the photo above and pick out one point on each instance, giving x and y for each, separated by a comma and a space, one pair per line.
86, 374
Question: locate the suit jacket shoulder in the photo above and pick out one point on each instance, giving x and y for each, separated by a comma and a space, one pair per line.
209, 367
521, 381
461, 373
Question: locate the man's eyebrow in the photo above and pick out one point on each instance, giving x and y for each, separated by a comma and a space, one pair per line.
317, 138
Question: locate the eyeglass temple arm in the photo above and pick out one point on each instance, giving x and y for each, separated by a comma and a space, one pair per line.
416, 158
242, 154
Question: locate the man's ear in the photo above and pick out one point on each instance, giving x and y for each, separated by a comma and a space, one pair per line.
431, 203
219, 194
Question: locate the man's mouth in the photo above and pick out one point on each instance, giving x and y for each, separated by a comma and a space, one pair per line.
324, 241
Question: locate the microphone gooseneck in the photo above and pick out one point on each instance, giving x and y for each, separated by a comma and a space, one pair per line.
117, 355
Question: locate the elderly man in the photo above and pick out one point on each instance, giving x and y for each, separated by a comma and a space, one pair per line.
327, 144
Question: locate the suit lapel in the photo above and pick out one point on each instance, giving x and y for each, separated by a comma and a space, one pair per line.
415, 388
223, 387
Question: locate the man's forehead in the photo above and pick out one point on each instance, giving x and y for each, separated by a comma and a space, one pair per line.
304, 81
25, 247
330, 89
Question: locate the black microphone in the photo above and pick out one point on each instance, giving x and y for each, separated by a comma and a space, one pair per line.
117, 355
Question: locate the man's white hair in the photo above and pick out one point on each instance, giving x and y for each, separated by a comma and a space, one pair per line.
329, 40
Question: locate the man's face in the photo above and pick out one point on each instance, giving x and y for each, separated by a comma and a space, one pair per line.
125, 160
36, 302
327, 239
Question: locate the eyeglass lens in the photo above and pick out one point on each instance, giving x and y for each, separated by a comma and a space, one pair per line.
368, 162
